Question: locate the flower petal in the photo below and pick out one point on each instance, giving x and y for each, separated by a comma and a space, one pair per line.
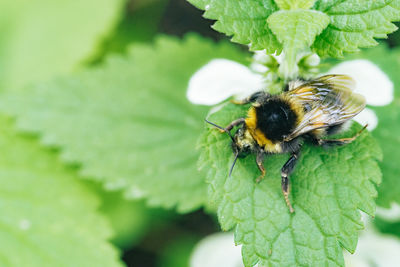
373, 247
312, 60
220, 79
371, 81
216, 250
260, 60
367, 116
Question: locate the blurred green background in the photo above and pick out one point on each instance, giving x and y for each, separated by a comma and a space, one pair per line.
41, 39
143, 20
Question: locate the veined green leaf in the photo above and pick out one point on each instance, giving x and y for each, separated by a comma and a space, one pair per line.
388, 124
244, 20
352, 24
328, 188
47, 218
128, 123
294, 4
296, 31
355, 24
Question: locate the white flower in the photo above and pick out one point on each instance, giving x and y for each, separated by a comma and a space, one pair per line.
216, 250
373, 249
261, 60
222, 78
371, 81
367, 116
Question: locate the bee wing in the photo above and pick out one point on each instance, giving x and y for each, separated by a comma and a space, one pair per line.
330, 101
319, 89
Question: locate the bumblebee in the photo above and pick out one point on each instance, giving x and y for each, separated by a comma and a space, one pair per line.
305, 111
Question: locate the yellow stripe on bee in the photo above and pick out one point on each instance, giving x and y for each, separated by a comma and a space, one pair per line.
251, 120
258, 135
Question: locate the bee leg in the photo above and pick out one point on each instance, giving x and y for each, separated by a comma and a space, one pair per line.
341, 141
259, 160
235, 123
252, 98
286, 170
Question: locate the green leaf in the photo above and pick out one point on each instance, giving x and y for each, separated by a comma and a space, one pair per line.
386, 134
388, 124
388, 127
140, 23
296, 31
178, 252
328, 187
244, 20
47, 218
130, 220
294, 4
42, 38
355, 24
387, 227
128, 123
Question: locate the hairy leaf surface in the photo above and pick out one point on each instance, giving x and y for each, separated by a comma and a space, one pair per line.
352, 24
328, 188
355, 24
128, 123
47, 217
245, 21
386, 132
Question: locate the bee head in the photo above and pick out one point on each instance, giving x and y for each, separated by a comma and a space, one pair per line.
242, 145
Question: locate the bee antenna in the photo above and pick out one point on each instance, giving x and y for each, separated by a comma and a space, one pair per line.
221, 128
233, 164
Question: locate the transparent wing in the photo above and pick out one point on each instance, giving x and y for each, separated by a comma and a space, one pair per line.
329, 100
322, 88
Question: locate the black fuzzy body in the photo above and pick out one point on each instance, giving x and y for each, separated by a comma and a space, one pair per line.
276, 119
